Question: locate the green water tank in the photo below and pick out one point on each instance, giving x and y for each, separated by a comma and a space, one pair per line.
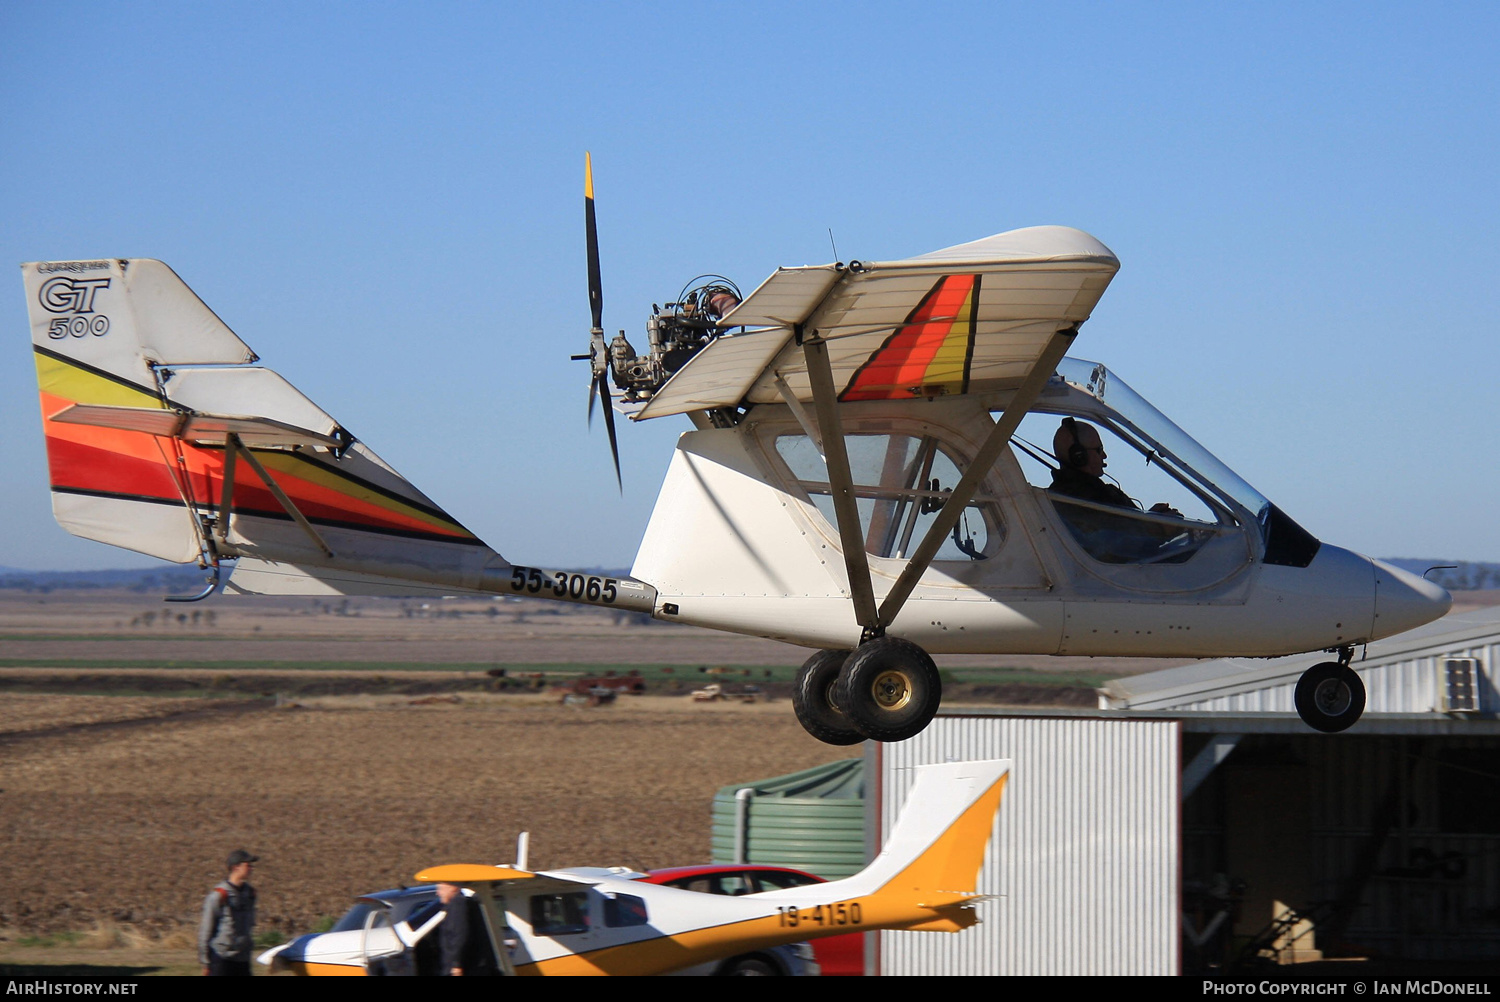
812, 820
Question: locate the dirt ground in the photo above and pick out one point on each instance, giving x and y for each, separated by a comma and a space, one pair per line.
129, 824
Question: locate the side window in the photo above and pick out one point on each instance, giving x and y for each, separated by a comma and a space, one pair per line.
778, 881
733, 884
900, 482
560, 914
1119, 503
624, 910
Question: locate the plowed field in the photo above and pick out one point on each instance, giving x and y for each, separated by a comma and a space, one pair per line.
122, 809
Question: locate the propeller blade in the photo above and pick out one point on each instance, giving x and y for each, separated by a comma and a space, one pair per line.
591, 228
598, 350
609, 425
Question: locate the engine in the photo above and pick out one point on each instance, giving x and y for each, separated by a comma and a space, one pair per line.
674, 334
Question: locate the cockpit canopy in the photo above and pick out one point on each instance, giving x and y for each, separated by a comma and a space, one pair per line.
1090, 391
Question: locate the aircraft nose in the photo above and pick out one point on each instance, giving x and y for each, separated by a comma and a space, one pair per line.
1404, 601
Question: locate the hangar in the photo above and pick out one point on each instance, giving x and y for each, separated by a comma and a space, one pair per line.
1193, 822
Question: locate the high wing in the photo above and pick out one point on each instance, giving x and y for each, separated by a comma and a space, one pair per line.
971, 318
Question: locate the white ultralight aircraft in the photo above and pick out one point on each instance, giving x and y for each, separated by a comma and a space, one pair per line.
597, 921
853, 481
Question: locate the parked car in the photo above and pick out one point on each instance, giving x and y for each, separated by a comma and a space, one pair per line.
836, 955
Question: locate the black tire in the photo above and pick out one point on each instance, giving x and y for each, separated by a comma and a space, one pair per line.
889, 689
815, 698
1330, 697
749, 967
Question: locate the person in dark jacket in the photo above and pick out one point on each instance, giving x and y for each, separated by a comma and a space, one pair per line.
1080, 473
227, 929
453, 934
462, 939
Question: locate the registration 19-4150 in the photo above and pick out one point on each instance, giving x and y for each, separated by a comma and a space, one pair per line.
843, 913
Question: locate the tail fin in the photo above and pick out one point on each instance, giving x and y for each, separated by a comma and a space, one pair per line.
163, 437
928, 873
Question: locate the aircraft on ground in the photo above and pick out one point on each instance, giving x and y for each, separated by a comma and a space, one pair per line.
854, 482
601, 921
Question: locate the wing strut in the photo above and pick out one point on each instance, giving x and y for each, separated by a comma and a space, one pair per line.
841, 483
226, 503
232, 446
1025, 395
800, 413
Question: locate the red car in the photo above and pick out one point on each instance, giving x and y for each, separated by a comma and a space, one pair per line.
836, 955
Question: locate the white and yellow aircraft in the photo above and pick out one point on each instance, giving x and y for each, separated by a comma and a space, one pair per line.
598, 922
853, 481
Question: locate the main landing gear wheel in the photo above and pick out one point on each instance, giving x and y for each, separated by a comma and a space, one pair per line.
815, 698
1330, 697
889, 689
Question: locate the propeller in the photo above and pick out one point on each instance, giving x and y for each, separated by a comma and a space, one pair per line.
598, 349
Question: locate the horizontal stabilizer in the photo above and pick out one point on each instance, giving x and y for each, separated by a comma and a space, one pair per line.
200, 428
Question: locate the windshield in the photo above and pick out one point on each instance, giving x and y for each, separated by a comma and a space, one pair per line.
1158, 432
354, 918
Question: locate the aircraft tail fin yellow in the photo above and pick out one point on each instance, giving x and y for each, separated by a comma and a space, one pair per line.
928, 871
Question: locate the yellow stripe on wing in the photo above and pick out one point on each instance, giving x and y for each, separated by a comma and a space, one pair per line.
948, 365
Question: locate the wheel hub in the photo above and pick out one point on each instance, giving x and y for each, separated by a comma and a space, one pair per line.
891, 689
1332, 697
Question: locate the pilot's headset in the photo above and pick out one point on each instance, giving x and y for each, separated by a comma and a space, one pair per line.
1077, 454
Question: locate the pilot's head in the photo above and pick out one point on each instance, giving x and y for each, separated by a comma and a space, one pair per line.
1077, 446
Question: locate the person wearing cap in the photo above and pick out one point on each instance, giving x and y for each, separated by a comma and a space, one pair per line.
226, 931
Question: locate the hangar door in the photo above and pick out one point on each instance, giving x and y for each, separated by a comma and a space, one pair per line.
1084, 857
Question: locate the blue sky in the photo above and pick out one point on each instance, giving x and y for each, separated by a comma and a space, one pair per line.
383, 199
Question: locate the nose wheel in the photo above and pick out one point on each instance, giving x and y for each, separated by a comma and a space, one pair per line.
1330, 696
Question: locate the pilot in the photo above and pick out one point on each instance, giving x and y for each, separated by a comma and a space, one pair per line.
1114, 539
1080, 453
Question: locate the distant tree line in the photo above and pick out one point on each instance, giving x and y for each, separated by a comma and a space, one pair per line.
172, 580
1456, 575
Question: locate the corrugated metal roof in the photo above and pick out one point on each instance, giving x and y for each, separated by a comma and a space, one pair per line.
1399, 673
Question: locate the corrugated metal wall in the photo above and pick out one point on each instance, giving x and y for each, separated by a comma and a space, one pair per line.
1085, 853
